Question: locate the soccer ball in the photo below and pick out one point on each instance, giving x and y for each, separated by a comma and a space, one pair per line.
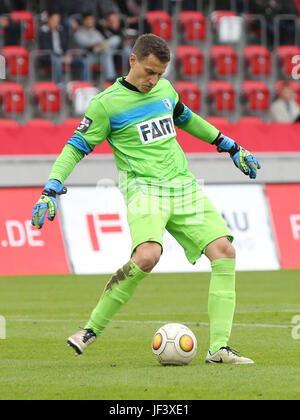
174, 344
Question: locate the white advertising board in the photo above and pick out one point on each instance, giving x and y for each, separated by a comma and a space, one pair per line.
96, 230
246, 213
98, 237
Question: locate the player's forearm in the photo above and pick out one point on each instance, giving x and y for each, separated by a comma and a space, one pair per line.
200, 128
65, 163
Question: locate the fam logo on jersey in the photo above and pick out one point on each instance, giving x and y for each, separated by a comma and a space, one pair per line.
156, 129
84, 125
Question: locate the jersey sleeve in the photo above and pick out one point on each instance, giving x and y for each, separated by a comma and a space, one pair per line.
93, 129
181, 113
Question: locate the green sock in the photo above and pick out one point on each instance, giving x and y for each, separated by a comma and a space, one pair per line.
116, 293
221, 302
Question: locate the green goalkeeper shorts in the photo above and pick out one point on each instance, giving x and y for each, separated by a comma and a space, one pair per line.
190, 218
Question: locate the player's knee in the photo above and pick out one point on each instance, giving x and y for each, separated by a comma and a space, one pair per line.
225, 249
147, 255
229, 251
220, 248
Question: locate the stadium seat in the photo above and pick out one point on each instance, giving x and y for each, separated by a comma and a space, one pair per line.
257, 95
161, 23
250, 120
12, 96
73, 86
217, 120
8, 123
106, 85
227, 26
39, 122
257, 60
293, 84
217, 15
71, 124
27, 19
224, 60
285, 53
190, 60
193, 24
48, 97
222, 95
80, 93
189, 93
17, 60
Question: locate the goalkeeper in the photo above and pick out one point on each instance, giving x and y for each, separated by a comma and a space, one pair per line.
137, 115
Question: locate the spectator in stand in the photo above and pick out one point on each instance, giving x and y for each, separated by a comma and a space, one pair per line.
113, 25
103, 8
160, 5
53, 37
100, 49
4, 7
131, 10
70, 12
272, 8
222, 4
285, 109
10, 31
297, 3
19, 4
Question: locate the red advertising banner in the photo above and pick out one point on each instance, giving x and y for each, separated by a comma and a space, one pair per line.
284, 202
23, 248
41, 137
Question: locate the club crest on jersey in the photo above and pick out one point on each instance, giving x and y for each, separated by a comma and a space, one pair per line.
156, 129
167, 104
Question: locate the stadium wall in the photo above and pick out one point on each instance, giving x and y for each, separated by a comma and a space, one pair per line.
27, 154
90, 234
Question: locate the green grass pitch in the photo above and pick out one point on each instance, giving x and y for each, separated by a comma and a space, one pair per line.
42, 311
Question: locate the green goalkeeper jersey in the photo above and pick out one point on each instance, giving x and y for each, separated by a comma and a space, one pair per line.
140, 128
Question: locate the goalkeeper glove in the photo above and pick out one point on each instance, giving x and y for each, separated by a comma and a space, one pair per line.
47, 202
242, 159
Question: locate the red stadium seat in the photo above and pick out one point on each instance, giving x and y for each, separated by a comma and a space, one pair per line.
28, 21
48, 97
222, 95
218, 14
295, 86
258, 60
193, 24
190, 60
217, 120
72, 123
12, 96
250, 120
8, 123
17, 60
257, 95
107, 84
190, 94
227, 26
161, 23
224, 60
81, 93
73, 86
40, 122
285, 53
